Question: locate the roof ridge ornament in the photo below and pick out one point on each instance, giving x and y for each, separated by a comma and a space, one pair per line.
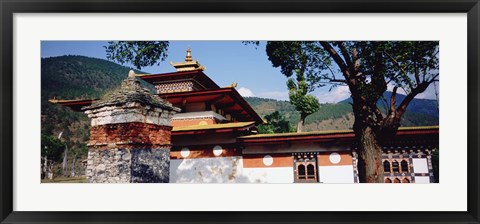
131, 74
189, 64
188, 58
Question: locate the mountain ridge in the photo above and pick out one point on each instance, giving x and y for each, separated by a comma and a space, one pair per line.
423, 106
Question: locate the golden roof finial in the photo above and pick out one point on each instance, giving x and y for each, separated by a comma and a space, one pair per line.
189, 64
189, 55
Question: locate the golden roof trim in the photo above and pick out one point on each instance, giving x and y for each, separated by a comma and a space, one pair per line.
412, 128
213, 126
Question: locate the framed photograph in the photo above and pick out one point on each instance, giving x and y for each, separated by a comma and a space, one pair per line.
245, 112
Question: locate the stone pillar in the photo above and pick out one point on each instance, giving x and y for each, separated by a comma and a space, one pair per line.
129, 136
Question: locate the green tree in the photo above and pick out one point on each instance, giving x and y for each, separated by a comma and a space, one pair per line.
366, 67
276, 124
52, 148
138, 53
305, 103
51, 151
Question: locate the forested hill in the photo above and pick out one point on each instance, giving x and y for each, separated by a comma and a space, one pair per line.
74, 77
69, 77
339, 115
422, 106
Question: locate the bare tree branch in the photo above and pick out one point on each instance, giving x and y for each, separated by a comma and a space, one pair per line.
393, 101
434, 78
415, 68
378, 114
396, 62
356, 60
415, 91
338, 80
346, 56
336, 57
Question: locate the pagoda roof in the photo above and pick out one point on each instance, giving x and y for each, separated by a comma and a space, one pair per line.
196, 75
131, 91
75, 105
226, 99
328, 135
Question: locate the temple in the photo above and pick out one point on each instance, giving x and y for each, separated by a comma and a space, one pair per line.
214, 139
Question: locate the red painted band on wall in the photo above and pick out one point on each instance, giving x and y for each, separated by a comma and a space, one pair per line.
200, 152
134, 133
257, 161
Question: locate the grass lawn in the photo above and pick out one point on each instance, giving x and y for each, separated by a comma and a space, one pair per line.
79, 179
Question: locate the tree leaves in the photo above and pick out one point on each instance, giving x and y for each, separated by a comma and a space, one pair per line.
52, 148
299, 97
276, 123
138, 53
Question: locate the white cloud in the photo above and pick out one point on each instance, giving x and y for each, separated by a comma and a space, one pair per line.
342, 92
399, 90
278, 95
428, 94
245, 92
337, 94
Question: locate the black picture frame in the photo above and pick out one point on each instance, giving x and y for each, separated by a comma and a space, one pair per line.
9, 7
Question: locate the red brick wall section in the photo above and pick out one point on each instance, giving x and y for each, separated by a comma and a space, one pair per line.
130, 135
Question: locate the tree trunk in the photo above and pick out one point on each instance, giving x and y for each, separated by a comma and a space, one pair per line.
72, 174
44, 168
301, 122
370, 166
65, 161
50, 170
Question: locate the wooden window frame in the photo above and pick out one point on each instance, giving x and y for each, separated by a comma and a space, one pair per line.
305, 162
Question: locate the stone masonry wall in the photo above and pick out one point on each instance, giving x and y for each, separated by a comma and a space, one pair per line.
108, 166
129, 136
150, 166
129, 153
128, 166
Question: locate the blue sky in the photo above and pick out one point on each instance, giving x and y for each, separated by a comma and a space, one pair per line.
226, 62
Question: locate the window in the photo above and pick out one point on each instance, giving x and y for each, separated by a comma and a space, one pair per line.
301, 172
386, 166
310, 172
395, 167
305, 169
404, 166
398, 166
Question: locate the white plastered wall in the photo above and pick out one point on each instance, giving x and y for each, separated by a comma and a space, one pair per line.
336, 174
207, 170
269, 175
